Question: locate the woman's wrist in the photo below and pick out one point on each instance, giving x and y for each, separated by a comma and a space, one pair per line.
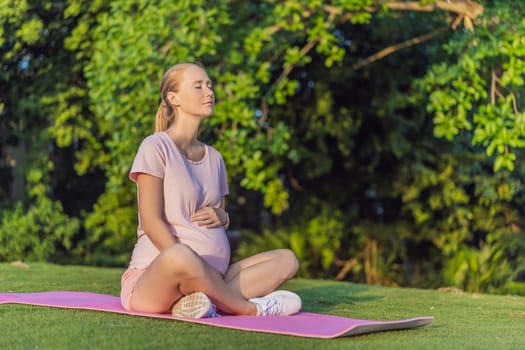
226, 223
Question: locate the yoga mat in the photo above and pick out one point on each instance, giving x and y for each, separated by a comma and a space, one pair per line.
303, 324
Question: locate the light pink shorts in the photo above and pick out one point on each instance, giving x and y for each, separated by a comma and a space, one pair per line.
127, 285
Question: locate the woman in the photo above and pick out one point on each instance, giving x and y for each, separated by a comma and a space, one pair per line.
180, 261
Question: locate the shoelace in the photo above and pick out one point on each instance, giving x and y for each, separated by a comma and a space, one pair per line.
272, 307
213, 312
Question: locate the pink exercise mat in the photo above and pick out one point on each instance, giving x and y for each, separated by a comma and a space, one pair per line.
303, 324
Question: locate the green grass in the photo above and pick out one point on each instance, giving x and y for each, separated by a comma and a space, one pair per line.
463, 321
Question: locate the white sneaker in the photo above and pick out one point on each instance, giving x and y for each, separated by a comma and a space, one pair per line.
278, 303
194, 305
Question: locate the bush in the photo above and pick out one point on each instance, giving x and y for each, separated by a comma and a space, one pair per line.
36, 234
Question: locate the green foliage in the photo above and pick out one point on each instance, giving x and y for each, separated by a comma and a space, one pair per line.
316, 241
40, 233
41, 84
482, 270
112, 228
412, 204
482, 90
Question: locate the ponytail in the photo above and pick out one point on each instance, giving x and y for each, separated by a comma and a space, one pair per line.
165, 117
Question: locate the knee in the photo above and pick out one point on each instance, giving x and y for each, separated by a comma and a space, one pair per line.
180, 259
288, 262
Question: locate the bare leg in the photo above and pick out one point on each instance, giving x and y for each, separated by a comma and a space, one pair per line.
179, 271
262, 273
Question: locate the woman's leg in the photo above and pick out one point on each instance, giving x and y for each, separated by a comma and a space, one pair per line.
262, 273
179, 271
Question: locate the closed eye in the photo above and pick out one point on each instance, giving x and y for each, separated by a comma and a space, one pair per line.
209, 84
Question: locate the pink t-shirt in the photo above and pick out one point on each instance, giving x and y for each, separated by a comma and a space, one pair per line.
188, 186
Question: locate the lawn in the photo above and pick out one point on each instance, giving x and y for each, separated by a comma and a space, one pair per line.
463, 320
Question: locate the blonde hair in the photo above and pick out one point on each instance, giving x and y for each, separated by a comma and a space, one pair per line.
166, 112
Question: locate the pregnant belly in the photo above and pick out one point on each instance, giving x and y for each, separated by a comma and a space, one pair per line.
210, 244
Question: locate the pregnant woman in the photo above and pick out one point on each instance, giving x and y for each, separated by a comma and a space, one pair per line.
180, 263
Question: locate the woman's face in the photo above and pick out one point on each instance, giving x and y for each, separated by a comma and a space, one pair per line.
195, 96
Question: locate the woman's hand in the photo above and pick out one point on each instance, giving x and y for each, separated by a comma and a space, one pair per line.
210, 217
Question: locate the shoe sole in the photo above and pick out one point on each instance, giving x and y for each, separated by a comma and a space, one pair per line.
195, 305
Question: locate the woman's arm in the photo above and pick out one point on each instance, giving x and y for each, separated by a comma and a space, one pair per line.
226, 221
151, 211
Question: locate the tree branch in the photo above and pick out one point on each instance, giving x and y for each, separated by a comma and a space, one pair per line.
411, 42
466, 8
391, 49
346, 267
310, 45
494, 92
493, 88
466, 11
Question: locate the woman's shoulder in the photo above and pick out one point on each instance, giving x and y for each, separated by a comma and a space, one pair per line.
155, 139
213, 152
154, 143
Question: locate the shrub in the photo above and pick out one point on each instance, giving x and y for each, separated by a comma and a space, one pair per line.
36, 234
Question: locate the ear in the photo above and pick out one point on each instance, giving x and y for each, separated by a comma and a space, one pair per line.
173, 99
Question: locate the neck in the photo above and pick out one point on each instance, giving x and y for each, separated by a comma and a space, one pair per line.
184, 132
